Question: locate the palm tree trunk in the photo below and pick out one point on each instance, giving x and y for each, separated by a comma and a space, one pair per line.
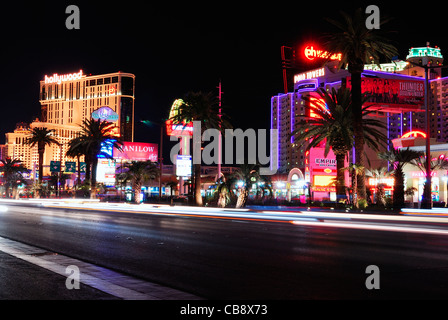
137, 192
41, 165
398, 199
78, 182
242, 198
197, 184
358, 130
355, 189
93, 180
340, 178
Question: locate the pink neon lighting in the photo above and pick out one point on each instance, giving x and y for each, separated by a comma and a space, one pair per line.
311, 53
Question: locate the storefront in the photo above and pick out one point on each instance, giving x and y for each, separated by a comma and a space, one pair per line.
415, 176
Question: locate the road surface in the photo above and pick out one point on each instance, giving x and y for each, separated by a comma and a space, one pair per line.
229, 254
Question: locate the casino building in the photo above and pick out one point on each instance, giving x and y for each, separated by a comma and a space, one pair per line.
66, 101
397, 90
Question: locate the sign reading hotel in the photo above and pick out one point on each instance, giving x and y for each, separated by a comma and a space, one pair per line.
55, 78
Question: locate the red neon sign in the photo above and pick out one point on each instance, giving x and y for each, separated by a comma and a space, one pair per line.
414, 134
179, 129
312, 53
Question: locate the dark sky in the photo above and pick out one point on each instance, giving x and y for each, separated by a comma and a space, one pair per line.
176, 47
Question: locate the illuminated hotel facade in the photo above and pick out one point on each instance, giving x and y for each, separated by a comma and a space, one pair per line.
66, 101
401, 112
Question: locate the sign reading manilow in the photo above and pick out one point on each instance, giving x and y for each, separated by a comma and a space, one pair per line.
206, 147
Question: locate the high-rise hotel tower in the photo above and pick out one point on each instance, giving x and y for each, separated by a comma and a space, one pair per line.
71, 99
66, 101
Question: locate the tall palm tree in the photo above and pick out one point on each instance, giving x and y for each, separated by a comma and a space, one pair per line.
334, 125
358, 46
203, 107
94, 135
399, 158
42, 137
13, 171
138, 172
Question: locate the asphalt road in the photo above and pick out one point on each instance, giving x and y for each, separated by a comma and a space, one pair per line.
225, 258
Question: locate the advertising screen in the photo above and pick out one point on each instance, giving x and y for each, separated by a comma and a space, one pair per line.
393, 95
137, 151
106, 171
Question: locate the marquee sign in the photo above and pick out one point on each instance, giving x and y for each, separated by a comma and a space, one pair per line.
64, 78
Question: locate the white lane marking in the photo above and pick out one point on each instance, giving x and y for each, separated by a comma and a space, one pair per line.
363, 226
111, 282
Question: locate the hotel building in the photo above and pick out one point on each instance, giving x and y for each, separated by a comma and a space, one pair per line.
399, 102
66, 101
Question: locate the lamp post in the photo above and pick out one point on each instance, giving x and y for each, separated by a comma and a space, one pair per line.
427, 197
148, 123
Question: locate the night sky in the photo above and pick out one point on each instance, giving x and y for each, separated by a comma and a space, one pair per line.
179, 47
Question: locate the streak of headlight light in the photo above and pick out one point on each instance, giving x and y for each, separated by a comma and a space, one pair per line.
370, 227
3, 208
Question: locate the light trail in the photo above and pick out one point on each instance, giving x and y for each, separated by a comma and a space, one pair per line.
362, 221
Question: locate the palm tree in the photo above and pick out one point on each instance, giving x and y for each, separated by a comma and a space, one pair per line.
13, 171
334, 126
358, 45
138, 172
76, 150
354, 170
93, 136
436, 163
203, 107
222, 191
399, 158
41, 137
379, 174
248, 174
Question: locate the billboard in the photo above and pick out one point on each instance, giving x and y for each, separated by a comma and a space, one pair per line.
393, 95
106, 171
183, 166
182, 129
137, 151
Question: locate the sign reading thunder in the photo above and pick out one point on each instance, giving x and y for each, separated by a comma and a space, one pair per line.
393, 95
137, 151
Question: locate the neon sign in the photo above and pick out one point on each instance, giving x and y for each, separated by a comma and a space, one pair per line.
311, 54
105, 114
313, 74
64, 78
414, 134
